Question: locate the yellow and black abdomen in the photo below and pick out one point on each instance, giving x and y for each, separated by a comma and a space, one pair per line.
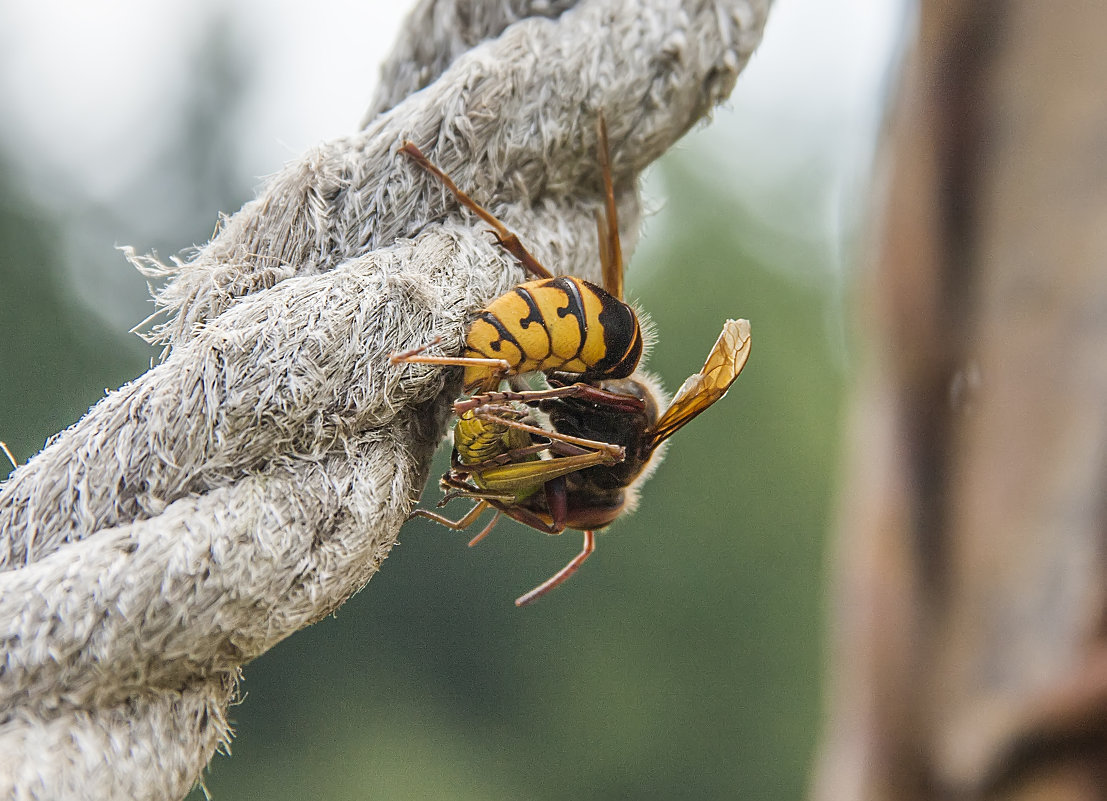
562, 324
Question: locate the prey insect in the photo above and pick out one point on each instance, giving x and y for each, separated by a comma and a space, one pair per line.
496, 462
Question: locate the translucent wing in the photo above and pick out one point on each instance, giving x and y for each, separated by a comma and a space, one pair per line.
724, 363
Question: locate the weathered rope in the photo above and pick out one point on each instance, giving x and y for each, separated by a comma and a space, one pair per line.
253, 480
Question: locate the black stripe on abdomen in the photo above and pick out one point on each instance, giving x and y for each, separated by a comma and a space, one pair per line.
574, 308
535, 317
501, 329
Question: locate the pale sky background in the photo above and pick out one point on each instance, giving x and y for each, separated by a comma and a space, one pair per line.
86, 83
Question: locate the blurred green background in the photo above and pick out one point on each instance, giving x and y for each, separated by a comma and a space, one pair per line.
683, 661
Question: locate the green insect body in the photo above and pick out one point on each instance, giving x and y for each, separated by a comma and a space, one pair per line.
504, 461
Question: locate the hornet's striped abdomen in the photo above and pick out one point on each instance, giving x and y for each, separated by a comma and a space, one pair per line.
562, 324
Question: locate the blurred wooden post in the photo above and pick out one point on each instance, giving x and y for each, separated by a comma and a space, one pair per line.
967, 640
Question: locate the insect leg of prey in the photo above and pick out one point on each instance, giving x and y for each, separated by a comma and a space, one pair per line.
528, 475
484, 532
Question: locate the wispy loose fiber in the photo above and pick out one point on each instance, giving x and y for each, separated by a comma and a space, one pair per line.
253, 480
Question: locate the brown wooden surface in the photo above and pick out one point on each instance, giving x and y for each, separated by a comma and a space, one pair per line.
967, 631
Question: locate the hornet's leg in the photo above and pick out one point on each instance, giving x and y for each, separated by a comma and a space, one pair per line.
612, 400
561, 575
414, 356
616, 453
